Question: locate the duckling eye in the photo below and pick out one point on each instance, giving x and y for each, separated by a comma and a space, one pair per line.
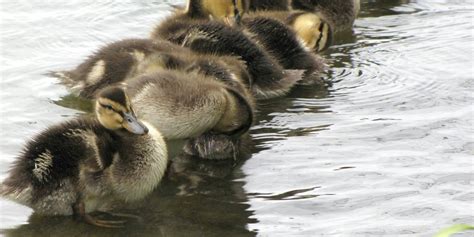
109, 107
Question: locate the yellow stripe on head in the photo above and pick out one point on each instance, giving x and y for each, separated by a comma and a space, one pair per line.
221, 9
313, 30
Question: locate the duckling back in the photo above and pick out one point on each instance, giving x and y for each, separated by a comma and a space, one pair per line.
183, 105
310, 27
45, 176
111, 64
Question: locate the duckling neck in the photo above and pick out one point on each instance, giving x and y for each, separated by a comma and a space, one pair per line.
123, 142
138, 164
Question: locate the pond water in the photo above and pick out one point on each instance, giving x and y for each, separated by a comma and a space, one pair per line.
387, 151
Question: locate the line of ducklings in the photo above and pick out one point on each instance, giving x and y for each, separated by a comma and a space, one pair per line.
197, 78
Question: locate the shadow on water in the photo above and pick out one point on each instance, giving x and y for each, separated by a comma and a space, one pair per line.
74, 102
376, 8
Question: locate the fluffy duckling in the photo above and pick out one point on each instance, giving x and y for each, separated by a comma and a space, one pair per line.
316, 33
212, 115
184, 105
340, 14
83, 165
216, 38
286, 46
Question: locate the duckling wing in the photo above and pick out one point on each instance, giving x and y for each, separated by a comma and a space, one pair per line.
54, 155
278, 87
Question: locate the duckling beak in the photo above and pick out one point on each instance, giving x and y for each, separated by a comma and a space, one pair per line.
237, 18
131, 124
237, 14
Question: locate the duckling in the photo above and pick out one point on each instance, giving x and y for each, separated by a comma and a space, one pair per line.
309, 26
340, 14
84, 165
187, 104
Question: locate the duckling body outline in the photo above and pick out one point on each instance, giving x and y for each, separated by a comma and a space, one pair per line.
84, 165
183, 107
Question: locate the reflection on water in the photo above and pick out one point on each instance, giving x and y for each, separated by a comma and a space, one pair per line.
195, 199
387, 151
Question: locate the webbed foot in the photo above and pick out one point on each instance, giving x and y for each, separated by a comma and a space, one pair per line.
213, 146
80, 214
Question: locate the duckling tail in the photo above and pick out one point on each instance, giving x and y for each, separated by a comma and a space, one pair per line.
68, 79
20, 195
177, 6
280, 87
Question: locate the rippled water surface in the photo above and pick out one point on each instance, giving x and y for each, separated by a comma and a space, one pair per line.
387, 151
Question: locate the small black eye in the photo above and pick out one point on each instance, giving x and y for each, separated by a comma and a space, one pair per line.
108, 107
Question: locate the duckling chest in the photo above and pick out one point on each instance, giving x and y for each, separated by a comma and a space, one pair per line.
138, 166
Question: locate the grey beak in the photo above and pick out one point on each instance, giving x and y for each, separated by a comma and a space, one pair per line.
132, 124
237, 14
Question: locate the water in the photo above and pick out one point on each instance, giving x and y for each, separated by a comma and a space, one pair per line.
387, 151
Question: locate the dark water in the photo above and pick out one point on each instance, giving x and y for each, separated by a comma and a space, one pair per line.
387, 151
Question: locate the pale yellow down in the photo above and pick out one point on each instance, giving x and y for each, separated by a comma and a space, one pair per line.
307, 26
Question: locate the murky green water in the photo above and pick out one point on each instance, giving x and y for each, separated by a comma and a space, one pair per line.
388, 151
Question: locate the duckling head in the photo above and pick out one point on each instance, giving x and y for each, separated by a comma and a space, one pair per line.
227, 10
312, 29
114, 111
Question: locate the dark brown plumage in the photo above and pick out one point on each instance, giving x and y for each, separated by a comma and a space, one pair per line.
308, 26
286, 46
269, 5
